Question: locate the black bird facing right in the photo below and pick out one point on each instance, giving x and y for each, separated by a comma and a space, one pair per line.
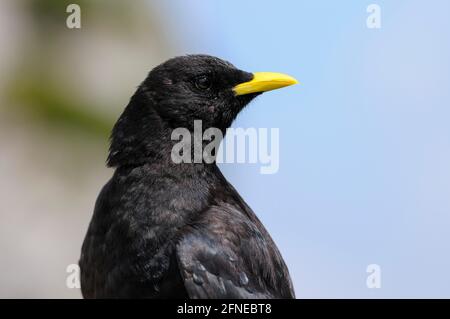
179, 230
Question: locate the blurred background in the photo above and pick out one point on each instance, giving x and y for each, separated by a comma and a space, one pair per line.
364, 172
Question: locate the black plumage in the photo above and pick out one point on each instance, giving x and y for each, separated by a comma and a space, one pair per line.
167, 230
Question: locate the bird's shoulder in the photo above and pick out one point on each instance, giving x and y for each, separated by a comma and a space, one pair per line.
227, 253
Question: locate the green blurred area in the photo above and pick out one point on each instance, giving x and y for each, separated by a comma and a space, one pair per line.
51, 105
34, 87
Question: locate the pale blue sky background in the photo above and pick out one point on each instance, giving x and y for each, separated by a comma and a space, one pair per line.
365, 139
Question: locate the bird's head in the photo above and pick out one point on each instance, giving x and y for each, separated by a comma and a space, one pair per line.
182, 90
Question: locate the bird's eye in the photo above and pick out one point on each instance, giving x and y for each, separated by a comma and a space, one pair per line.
202, 82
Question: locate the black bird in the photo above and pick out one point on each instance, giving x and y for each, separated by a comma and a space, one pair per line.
167, 230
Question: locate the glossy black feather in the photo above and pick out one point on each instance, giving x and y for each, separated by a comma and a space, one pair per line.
166, 230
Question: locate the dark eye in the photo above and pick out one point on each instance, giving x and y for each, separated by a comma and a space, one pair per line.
202, 82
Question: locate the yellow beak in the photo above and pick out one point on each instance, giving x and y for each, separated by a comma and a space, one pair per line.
264, 81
